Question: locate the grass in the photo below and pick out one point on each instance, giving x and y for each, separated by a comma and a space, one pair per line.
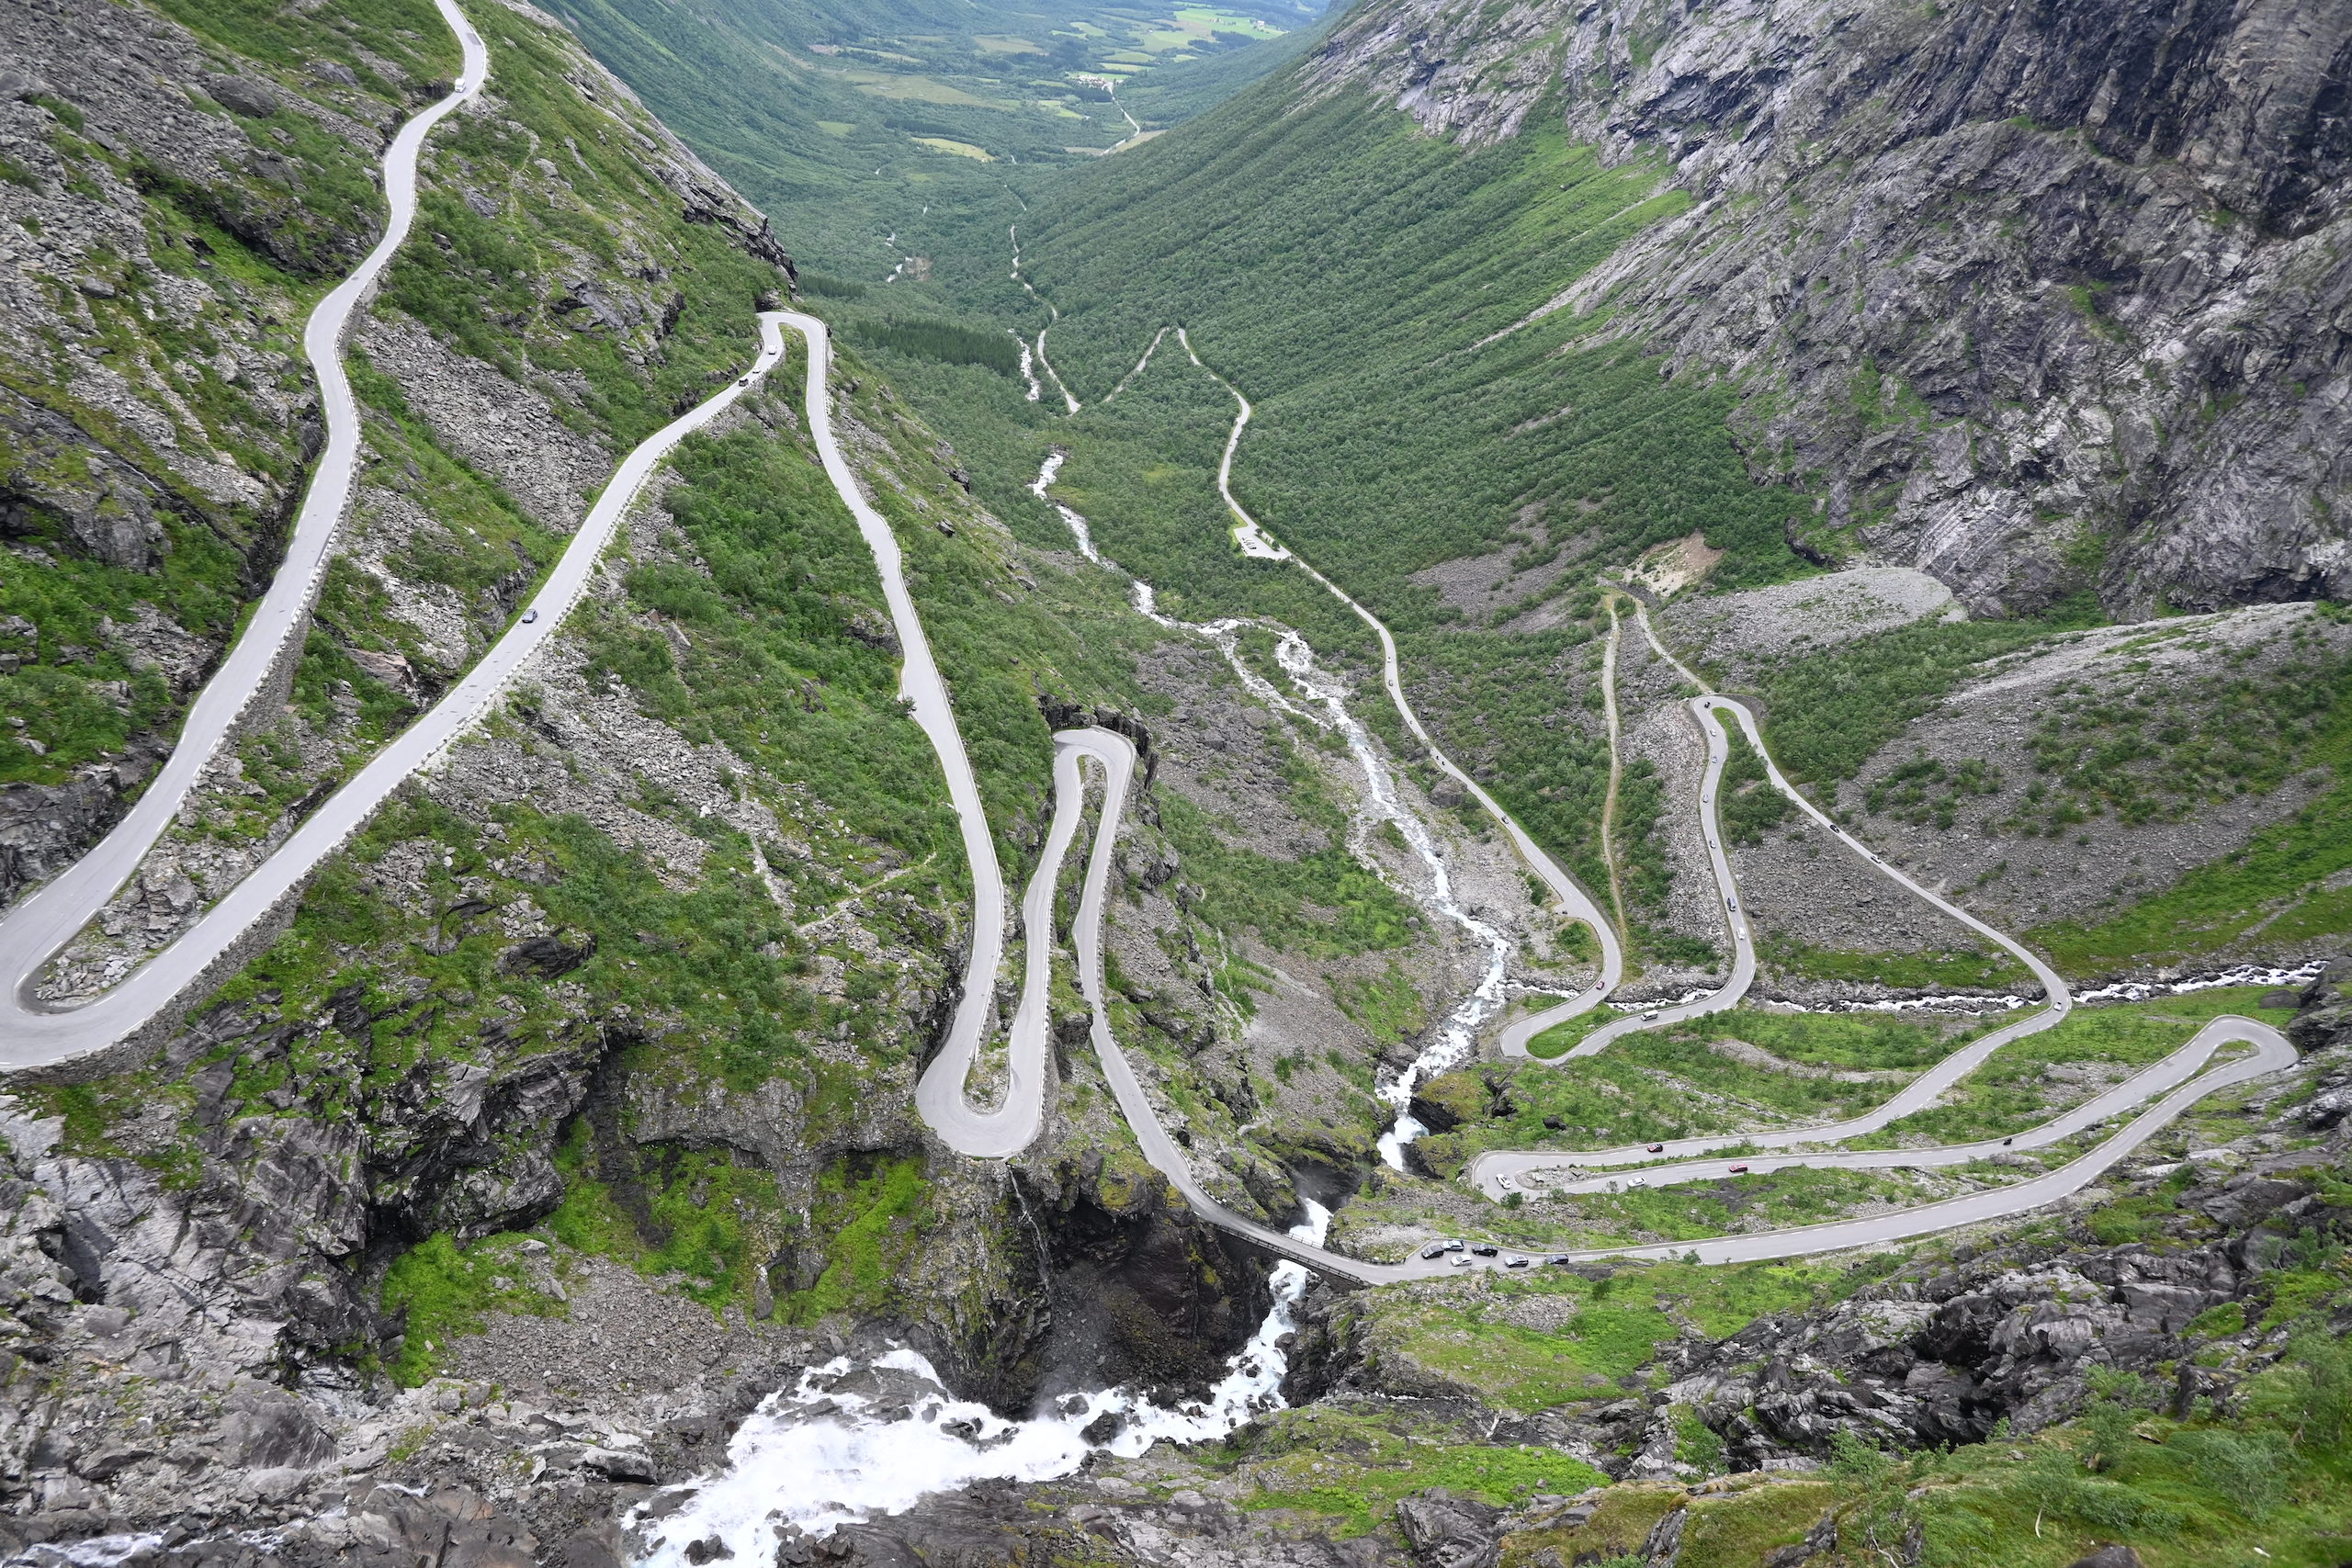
1349, 1465
1667, 1084
443, 1290
1558, 1040
2012, 1090
1610, 1329
2270, 1482
1692, 1211
1725, 1531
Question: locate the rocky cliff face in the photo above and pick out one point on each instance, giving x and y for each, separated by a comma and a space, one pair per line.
2039, 299
2001, 1329
646, 967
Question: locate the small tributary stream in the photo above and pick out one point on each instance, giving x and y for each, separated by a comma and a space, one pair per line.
854, 1439
1381, 801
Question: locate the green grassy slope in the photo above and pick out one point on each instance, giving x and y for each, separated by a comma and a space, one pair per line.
1342, 269
847, 118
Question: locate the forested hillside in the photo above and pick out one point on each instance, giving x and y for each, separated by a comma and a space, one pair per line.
855, 119
1453, 787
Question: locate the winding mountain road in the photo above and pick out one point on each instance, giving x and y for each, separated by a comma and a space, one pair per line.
47, 920
35, 1036
1116, 757
93, 1034
1495, 1171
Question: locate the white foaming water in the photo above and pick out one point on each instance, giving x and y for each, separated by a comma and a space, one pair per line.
1053, 460
2243, 975
2124, 991
1029, 374
96, 1552
849, 1442
1459, 1034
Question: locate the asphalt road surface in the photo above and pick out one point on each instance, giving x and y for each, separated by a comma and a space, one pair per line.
35, 1036
47, 920
32, 1035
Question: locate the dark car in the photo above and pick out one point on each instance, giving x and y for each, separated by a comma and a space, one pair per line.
1436, 1249
1484, 1250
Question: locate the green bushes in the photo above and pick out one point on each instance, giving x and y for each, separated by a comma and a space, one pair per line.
1325, 904
1339, 266
928, 338
2148, 752
1968, 968
865, 1225
825, 285
1923, 790
1830, 713
1748, 805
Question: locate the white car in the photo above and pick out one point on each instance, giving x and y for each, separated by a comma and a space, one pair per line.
529, 615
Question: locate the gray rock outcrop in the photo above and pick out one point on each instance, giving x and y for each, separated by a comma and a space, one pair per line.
2053, 298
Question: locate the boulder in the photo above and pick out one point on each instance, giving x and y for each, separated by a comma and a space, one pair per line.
243, 95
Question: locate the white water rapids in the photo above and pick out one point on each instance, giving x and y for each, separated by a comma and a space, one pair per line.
1380, 802
851, 1440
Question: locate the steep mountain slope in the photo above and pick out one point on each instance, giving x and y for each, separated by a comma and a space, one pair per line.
648, 962
1518, 296
2037, 298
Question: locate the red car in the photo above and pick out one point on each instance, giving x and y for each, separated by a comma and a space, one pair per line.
1739, 1171
1657, 1148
